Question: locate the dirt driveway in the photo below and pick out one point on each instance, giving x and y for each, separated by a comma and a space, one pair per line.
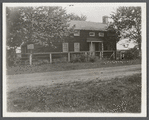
50, 78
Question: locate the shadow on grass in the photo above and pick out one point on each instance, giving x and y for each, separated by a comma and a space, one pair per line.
115, 95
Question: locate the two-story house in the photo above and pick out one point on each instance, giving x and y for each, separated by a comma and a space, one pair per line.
88, 36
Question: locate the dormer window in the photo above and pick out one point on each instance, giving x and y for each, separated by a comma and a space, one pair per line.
101, 34
91, 33
77, 33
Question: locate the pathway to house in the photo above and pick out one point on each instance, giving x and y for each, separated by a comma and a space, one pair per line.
50, 78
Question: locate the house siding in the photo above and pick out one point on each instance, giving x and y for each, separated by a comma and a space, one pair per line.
82, 39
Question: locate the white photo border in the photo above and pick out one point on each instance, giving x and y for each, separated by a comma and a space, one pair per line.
56, 114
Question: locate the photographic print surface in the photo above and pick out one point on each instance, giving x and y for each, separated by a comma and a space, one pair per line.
74, 59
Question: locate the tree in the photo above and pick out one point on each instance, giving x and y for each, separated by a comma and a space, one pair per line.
132, 53
73, 16
32, 24
14, 27
35, 24
14, 33
127, 20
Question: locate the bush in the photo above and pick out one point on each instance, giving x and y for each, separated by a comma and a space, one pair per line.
83, 58
75, 59
39, 62
79, 58
11, 57
92, 58
132, 54
60, 60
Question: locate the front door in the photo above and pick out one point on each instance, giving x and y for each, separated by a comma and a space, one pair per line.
92, 48
98, 46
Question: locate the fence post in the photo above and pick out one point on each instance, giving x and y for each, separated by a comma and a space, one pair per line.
68, 56
100, 55
30, 58
50, 58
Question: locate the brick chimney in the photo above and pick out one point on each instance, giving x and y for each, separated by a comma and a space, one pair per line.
105, 19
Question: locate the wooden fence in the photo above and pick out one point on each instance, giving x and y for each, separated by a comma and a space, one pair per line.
51, 55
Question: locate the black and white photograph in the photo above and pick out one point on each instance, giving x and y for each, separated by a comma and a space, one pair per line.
74, 59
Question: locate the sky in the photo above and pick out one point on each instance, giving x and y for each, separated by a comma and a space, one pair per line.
93, 13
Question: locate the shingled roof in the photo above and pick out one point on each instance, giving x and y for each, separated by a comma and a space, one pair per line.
85, 25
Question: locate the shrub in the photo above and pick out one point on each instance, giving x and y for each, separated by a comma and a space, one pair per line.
79, 58
92, 58
75, 59
12, 59
83, 58
39, 62
132, 54
60, 60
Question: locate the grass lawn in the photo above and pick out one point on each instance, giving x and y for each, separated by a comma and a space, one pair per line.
115, 95
66, 66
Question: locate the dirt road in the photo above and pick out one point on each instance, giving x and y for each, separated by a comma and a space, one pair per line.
49, 78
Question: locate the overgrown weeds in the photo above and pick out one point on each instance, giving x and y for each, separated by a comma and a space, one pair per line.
25, 69
116, 95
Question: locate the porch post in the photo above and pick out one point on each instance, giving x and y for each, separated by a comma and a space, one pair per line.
91, 48
102, 50
100, 55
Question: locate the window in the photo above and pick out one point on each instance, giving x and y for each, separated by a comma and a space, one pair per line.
101, 34
91, 33
30, 46
77, 33
76, 47
65, 47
